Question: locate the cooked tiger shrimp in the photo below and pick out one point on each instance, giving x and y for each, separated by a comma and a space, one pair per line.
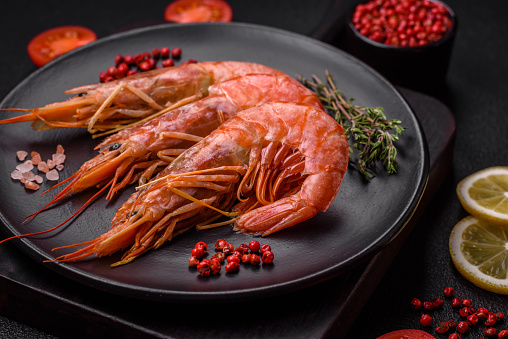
140, 152
283, 161
113, 105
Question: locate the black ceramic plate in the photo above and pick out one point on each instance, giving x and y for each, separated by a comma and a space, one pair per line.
362, 219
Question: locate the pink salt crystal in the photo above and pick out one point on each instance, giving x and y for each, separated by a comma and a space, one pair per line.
31, 185
52, 175
39, 179
25, 167
50, 163
59, 149
36, 158
43, 167
60, 167
16, 175
58, 158
29, 176
21, 155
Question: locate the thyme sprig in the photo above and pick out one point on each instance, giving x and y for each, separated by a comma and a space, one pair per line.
372, 136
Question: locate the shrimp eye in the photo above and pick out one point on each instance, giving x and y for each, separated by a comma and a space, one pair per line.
81, 94
115, 146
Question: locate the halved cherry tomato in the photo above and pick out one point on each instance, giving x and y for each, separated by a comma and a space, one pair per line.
407, 334
54, 42
183, 11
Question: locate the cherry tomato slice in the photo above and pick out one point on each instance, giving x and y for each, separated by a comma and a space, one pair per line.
54, 42
407, 334
183, 11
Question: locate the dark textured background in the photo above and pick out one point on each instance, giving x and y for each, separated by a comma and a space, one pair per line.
476, 93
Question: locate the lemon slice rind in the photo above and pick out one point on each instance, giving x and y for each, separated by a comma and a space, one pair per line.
472, 206
467, 269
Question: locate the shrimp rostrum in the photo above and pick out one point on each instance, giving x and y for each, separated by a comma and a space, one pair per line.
114, 105
140, 152
269, 167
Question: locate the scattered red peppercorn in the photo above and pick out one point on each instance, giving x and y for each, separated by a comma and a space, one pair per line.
490, 332
228, 249
482, 314
454, 336
437, 302
254, 246
220, 255
112, 70
456, 302
156, 53
265, 248
427, 305
215, 266
202, 245
448, 292
255, 259
242, 248
472, 319
167, 63
164, 52
499, 316
442, 327
204, 267
144, 66
246, 257
176, 52
416, 304
220, 243
426, 320
128, 59
233, 258
197, 252
123, 68
463, 327
193, 261
119, 59
451, 324
464, 312
491, 320
503, 334
267, 257
466, 303
102, 76
232, 266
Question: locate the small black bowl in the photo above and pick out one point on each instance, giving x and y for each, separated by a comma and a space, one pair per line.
420, 67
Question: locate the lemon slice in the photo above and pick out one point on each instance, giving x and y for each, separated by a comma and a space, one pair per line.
479, 251
484, 194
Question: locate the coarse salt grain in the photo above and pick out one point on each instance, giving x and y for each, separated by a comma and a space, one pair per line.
25, 167
43, 167
60, 149
52, 175
60, 167
32, 185
50, 163
30, 176
58, 158
39, 179
16, 175
21, 155
36, 158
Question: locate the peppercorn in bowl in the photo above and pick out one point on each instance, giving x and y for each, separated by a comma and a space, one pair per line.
407, 41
